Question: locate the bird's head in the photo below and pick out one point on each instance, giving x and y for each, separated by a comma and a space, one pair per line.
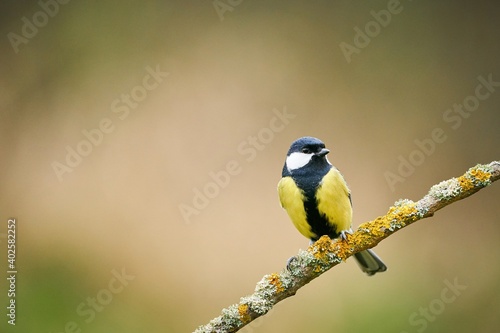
306, 151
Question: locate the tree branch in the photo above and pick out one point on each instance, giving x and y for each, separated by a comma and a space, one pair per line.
325, 253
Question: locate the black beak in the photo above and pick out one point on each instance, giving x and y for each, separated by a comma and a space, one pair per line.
322, 152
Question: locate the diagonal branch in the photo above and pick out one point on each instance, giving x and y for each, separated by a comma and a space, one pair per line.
325, 253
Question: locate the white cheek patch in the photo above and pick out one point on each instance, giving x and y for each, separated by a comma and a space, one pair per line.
297, 160
328, 161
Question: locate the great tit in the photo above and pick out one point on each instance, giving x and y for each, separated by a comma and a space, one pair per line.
316, 197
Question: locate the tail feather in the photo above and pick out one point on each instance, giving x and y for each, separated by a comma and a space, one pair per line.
369, 262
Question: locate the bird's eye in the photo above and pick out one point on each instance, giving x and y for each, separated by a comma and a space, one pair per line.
306, 150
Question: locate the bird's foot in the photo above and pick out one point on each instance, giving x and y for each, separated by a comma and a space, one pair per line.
344, 233
289, 263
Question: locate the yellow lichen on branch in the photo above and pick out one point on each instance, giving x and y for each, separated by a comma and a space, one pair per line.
274, 279
243, 311
325, 253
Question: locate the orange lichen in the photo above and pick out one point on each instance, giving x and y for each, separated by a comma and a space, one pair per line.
243, 311
274, 279
326, 251
343, 250
341, 247
465, 183
402, 212
397, 217
480, 175
321, 248
474, 177
375, 227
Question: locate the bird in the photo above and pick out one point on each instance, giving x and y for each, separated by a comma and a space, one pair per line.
317, 199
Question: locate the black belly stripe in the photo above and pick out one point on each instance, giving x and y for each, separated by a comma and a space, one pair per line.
319, 224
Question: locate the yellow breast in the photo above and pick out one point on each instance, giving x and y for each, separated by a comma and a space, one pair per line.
292, 200
333, 200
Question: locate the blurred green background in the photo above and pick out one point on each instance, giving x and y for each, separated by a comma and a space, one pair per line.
229, 65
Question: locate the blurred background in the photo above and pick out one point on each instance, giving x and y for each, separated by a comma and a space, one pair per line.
116, 118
